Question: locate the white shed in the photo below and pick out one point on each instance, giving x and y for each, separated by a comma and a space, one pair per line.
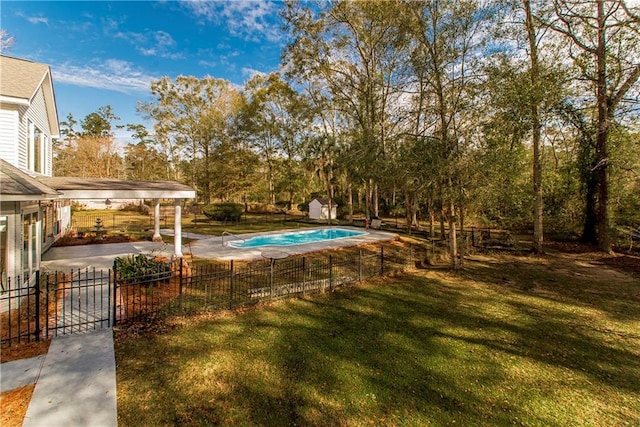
319, 209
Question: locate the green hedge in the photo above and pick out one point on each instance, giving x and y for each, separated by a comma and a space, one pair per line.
224, 211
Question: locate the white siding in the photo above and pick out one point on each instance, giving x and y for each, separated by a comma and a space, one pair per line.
37, 113
9, 122
22, 138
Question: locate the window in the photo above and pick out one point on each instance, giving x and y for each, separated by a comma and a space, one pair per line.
35, 148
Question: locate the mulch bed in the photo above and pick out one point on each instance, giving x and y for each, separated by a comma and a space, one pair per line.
91, 240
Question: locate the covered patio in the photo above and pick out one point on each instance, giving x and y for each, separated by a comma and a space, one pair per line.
71, 188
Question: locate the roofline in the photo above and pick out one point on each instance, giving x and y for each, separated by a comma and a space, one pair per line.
126, 194
54, 123
24, 197
14, 100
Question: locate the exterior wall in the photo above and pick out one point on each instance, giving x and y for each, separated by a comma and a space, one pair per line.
15, 123
319, 211
315, 209
37, 114
9, 125
22, 138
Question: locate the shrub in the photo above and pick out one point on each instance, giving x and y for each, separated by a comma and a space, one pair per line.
224, 211
141, 268
303, 207
136, 207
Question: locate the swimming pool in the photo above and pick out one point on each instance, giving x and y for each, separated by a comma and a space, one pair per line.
296, 237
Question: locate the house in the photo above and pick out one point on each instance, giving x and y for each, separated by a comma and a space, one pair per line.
35, 207
319, 209
31, 215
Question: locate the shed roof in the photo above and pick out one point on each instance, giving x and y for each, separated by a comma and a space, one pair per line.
16, 185
325, 202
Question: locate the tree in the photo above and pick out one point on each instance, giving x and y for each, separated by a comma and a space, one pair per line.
91, 152
447, 36
276, 119
603, 44
99, 123
191, 118
142, 159
350, 51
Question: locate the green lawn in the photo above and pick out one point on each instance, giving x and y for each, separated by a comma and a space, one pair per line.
509, 341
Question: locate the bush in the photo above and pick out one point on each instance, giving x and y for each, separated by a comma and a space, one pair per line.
303, 207
136, 207
224, 211
141, 268
283, 205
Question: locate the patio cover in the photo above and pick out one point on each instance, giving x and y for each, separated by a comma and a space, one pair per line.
16, 185
98, 188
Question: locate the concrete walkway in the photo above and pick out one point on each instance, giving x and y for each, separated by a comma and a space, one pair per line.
77, 383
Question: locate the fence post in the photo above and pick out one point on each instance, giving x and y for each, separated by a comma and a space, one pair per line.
180, 286
37, 294
382, 261
231, 284
46, 304
273, 260
115, 293
113, 298
304, 274
360, 265
330, 273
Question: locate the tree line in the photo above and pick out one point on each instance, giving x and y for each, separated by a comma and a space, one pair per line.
518, 113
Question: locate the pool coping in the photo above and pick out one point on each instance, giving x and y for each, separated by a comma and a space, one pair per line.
212, 247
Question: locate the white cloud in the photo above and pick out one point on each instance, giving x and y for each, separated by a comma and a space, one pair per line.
150, 43
34, 19
248, 19
38, 20
250, 72
112, 74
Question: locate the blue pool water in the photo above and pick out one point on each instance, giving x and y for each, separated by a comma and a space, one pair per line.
296, 238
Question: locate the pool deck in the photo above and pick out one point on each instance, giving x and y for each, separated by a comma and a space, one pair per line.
212, 247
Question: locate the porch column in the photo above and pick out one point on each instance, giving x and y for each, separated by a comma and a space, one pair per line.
177, 228
156, 221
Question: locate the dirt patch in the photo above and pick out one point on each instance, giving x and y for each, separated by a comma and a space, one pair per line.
25, 351
14, 405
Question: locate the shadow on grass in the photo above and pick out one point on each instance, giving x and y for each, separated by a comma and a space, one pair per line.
414, 350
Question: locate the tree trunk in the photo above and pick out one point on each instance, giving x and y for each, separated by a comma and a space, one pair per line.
453, 241
376, 201
536, 129
463, 247
350, 201
589, 234
602, 226
408, 213
432, 218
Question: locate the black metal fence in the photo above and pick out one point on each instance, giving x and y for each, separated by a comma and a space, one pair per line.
46, 305
116, 222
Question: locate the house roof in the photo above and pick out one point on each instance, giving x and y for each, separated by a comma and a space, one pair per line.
325, 202
101, 188
16, 185
20, 80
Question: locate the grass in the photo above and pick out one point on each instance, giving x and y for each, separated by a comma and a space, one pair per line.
538, 341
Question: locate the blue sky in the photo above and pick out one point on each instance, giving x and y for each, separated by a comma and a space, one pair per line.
107, 53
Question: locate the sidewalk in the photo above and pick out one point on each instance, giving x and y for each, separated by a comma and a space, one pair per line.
77, 383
